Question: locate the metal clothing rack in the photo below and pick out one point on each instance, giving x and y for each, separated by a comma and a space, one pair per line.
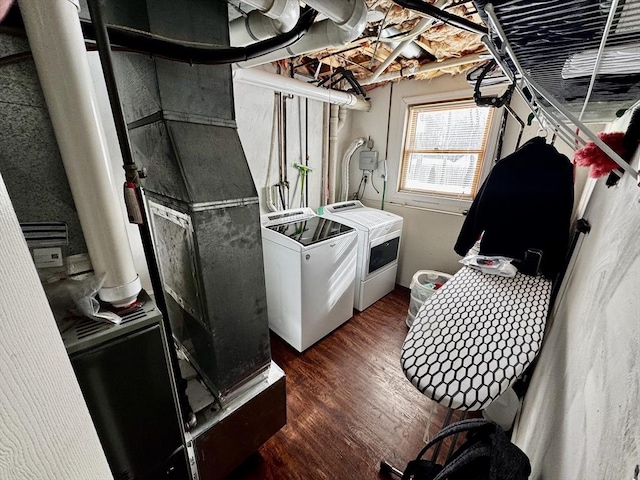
535, 45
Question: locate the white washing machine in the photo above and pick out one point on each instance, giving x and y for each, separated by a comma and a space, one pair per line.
379, 235
310, 271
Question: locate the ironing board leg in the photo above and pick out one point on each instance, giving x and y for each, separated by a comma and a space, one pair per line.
386, 467
454, 440
447, 421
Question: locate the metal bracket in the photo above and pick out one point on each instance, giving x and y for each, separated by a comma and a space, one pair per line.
191, 456
547, 109
340, 74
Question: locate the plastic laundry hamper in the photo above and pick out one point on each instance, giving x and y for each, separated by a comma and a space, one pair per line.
424, 284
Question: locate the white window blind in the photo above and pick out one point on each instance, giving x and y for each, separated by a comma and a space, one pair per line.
444, 149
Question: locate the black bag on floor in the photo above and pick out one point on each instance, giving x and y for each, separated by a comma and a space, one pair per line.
487, 454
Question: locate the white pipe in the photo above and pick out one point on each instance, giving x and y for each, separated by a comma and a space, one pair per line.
326, 33
57, 44
270, 19
337, 122
271, 206
262, 5
419, 29
342, 117
391, 36
344, 13
280, 83
333, 151
346, 162
429, 67
324, 197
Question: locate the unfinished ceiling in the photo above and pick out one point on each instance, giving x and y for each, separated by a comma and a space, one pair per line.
387, 25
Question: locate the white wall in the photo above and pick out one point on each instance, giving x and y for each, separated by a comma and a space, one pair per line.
46, 431
581, 416
429, 234
254, 116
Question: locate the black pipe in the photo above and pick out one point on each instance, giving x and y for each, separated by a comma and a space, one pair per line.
139, 41
15, 58
520, 122
104, 50
503, 129
583, 227
449, 18
144, 42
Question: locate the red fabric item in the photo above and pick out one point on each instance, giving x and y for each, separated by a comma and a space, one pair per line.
593, 157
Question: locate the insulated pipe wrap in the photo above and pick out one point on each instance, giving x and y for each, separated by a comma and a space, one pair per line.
346, 163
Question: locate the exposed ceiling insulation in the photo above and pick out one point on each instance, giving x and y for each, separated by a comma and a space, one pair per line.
388, 24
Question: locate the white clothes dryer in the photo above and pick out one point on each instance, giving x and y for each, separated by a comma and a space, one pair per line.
379, 235
310, 270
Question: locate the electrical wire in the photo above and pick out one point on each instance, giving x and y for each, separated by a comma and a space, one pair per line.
382, 27
237, 8
373, 184
384, 192
356, 195
364, 188
596, 67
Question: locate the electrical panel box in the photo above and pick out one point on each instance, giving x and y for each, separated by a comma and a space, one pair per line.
368, 160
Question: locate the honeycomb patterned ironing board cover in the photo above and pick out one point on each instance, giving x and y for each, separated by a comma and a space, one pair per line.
473, 338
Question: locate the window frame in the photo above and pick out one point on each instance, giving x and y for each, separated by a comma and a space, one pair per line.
397, 139
408, 152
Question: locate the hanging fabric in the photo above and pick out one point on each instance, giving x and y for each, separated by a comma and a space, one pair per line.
525, 203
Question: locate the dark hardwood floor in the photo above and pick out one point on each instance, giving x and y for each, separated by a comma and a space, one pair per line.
348, 403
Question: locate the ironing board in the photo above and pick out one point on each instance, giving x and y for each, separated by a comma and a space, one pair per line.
474, 337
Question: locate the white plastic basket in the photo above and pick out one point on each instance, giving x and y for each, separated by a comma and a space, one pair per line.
424, 284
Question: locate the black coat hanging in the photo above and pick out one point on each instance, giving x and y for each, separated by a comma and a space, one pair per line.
525, 202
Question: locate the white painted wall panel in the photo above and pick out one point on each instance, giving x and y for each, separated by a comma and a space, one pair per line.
45, 428
254, 116
428, 236
581, 419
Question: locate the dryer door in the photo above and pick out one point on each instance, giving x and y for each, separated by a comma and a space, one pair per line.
384, 252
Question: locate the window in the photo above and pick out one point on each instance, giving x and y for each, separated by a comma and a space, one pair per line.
444, 149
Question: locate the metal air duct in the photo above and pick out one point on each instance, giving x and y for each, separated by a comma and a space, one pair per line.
202, 200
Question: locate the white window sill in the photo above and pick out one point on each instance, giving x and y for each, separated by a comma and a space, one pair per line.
430, 202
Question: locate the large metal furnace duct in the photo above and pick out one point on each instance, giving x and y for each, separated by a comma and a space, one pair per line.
203, 202
58, 50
